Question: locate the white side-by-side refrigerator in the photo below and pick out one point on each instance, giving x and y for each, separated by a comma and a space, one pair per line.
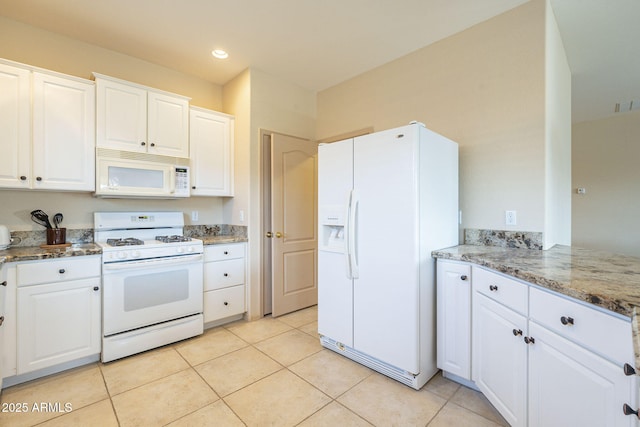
386, 200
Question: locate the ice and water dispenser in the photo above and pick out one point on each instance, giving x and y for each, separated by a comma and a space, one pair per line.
332, 220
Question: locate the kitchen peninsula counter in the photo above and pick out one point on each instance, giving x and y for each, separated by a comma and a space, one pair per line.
607, 280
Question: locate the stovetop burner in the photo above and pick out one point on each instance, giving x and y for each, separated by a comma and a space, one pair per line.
129, 241
172, 239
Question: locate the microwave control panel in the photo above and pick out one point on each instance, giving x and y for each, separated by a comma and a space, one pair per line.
182, 182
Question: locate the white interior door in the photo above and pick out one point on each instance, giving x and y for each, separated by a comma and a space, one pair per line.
294, 223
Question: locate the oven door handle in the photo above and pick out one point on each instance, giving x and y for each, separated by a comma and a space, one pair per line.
144, 263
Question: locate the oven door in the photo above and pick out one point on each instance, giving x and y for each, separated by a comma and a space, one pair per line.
146, 292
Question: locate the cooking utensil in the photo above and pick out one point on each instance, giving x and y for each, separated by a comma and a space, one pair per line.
57, 219
40, 217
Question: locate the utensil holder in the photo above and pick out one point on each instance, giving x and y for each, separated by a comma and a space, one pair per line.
56, 236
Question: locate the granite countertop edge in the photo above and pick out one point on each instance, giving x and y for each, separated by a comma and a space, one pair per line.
31, 253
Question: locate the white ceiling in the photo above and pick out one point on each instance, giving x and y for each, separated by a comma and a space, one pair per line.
317, 44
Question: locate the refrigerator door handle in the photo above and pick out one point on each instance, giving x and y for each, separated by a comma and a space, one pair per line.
353, 235
347, 235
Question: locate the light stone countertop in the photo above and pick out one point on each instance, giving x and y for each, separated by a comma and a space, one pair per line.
220, 240
29, 253
604, 279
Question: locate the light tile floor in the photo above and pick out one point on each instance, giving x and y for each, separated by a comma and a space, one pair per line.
270, 372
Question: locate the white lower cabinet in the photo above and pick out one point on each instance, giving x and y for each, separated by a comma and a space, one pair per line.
58, 319
454, 318
572, 386
224, 282
500, 357
3, 298
541, 358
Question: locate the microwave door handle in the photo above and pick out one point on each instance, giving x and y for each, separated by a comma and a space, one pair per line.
172, 180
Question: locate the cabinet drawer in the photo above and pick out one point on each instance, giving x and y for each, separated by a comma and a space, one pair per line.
50, 271
222, 252
222, 274
499, 288
223, 303
601, 332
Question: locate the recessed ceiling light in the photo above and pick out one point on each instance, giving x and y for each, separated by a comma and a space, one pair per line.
220, 54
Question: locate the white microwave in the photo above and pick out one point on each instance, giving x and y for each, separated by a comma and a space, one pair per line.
135, 175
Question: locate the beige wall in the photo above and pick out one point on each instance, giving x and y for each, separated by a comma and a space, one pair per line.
485, 89
605, 161
557, 138
33, 46
261, 102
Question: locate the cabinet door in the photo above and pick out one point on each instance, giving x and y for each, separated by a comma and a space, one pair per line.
121, 116
63, 133
168, 125
454, 318
500, 357
58, 323
3, 299
9, 326
571, 386
211, 148
15, 127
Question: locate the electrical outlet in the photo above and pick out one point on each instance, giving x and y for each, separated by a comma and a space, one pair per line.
510, 218
194, 215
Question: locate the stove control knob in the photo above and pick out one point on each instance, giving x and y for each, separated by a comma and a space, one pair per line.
122, 255
180, 249
190, 249
135, 254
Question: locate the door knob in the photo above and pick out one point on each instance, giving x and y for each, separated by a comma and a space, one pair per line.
269, 234
278, 234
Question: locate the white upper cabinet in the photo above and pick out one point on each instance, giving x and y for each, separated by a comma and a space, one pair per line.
63, 133
15, 126
135, 118
211, 140
47, 130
